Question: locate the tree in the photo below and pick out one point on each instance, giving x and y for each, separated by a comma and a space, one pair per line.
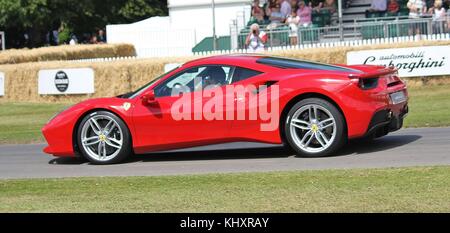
36, 18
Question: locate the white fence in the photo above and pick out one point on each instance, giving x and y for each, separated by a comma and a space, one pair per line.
150, 42
434, 37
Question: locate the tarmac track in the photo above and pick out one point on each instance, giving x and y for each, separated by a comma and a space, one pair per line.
408, 147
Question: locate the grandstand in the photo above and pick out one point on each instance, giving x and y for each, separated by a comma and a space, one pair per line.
188, 28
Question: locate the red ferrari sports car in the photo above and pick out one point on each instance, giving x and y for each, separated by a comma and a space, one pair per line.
310, 107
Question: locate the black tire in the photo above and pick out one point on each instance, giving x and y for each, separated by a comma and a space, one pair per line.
123, 153
341, 132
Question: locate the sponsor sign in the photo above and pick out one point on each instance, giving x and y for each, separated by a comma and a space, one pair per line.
411, 62
66, 81
2, 84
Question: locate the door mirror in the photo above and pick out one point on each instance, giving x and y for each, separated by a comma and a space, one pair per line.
148, 98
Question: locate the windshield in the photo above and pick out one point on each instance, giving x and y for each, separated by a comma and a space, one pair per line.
133, 94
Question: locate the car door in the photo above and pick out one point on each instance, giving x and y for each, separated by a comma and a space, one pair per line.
179, 120
247, 110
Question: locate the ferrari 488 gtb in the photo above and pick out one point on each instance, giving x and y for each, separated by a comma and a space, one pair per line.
311, 107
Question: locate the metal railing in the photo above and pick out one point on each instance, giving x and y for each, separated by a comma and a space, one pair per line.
387, 27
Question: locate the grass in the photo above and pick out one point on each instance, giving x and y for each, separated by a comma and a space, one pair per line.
429, 106
21, 122
425, 189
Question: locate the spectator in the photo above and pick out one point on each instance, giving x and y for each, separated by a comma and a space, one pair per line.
101, 38
393, 7
276, 17
255, 39
286, 8
93, 40
268, 7
439, 17
378, 6
448, 20
416, 9
305, 13
54, 38
430, 5
257, 12
294, 4
446, 4
293, 20
331, 7
73, 40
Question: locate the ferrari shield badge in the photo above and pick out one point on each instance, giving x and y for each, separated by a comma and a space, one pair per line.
126, 106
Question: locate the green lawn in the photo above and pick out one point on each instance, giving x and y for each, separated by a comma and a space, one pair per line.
425, 189
429, 106
21, 122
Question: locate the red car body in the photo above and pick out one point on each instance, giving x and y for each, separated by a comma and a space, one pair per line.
153, 129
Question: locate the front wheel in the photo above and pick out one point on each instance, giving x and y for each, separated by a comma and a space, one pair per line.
103, 138
315, 128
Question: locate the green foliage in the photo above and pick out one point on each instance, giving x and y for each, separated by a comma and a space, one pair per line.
37, 17
65, 34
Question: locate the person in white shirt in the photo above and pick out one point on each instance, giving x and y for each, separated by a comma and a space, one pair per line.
292, 21
255, 39
416, 9
439, 17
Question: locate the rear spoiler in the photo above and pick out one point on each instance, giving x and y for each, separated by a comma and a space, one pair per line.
374, 74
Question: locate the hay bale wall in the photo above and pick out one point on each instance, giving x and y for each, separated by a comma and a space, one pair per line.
111, 78
66, 52
118, 77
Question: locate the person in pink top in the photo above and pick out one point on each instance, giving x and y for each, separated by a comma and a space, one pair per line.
304, 12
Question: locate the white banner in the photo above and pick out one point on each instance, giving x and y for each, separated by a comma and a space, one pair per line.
66, 81
411, 62
2, 84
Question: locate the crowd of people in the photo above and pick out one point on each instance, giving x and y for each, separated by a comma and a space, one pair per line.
300, 13
291, 13
288, 11
86, 38
438, 10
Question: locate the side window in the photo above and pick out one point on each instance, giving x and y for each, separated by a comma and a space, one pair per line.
241, 74
194, 79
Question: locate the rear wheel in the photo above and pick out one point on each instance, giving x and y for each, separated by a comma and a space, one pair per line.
103, 138
315, 128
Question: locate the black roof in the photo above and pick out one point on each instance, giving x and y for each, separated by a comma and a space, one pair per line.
286, 63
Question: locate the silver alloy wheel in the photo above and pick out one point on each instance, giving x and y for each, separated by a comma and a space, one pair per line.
102, 138
313, 128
